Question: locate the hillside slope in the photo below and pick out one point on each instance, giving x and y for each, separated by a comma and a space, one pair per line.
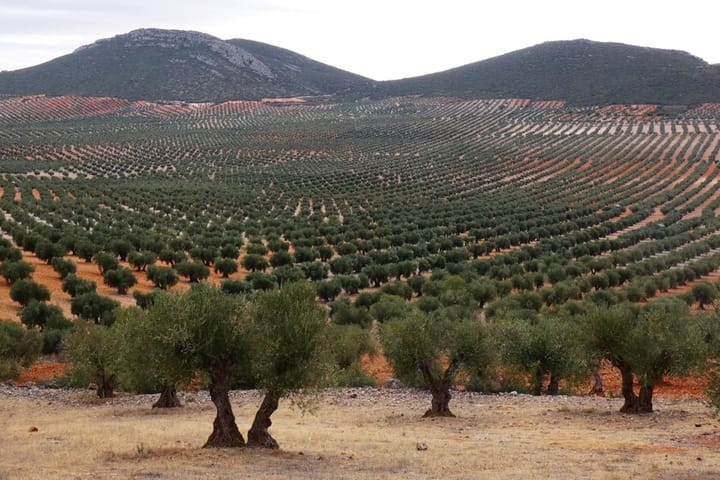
581, 72
152, 64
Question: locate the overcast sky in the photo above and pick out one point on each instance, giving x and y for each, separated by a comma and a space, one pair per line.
380, 39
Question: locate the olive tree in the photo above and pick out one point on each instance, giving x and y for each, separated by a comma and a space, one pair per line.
121, 278
193, 271
162, 277
24, 291
92, 350
200, 331
18, 348
644, 344
95, 307
225, 266
16, 270
435, 350
63, 267
544, 347
289, 351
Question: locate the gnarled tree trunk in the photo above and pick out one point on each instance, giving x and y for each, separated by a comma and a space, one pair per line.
168, 399
106, 385
631, 404
554, 385
645, 399
258, 436
440, 390
225, 432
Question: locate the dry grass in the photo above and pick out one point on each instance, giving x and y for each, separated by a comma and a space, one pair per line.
363, 435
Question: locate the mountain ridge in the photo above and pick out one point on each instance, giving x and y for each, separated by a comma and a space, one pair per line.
578, 71
155, 64
176, 65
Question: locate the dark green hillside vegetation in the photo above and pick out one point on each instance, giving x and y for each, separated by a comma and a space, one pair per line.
528, 217
183, 66
152, 64
580, 72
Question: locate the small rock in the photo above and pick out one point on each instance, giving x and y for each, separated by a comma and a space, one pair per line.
33, 429
421, 446
393, 383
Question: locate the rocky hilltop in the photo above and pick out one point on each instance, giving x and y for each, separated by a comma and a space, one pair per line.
153, 64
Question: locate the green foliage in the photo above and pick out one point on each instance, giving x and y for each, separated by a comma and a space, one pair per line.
18, 348
254, 262
106, 261
236, 287
328, 290
389, 307
47, 251
63, 267
74, 286
444, 347
25, 291
162, 277
343, 312
704, 293
290, 334
281, 258
348, 343
16, 270
193, 271
315, 271
548, 347
656, 340
42, 315
121, 248
94, 307
225, 266
261, 281
121, 278
10, 254
145, 300
92, 351
664, 341
141, 260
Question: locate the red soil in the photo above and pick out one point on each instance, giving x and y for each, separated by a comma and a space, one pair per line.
43, 371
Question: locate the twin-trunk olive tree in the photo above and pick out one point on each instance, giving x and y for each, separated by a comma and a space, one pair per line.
645, 344
275, 338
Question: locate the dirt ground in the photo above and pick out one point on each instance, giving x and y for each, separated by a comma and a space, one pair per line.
358, 434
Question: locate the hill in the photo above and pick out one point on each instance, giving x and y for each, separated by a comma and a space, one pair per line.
580, 72
152, 64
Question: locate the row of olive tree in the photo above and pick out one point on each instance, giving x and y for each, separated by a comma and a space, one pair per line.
643, 343
277, 341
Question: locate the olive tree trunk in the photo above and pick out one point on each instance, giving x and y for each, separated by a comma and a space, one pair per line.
554, 385
106, 384
225, 432
168, 399
645, 399
258, 435
440, 390
631, 404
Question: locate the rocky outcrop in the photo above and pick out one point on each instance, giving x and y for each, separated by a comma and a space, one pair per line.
212, 51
